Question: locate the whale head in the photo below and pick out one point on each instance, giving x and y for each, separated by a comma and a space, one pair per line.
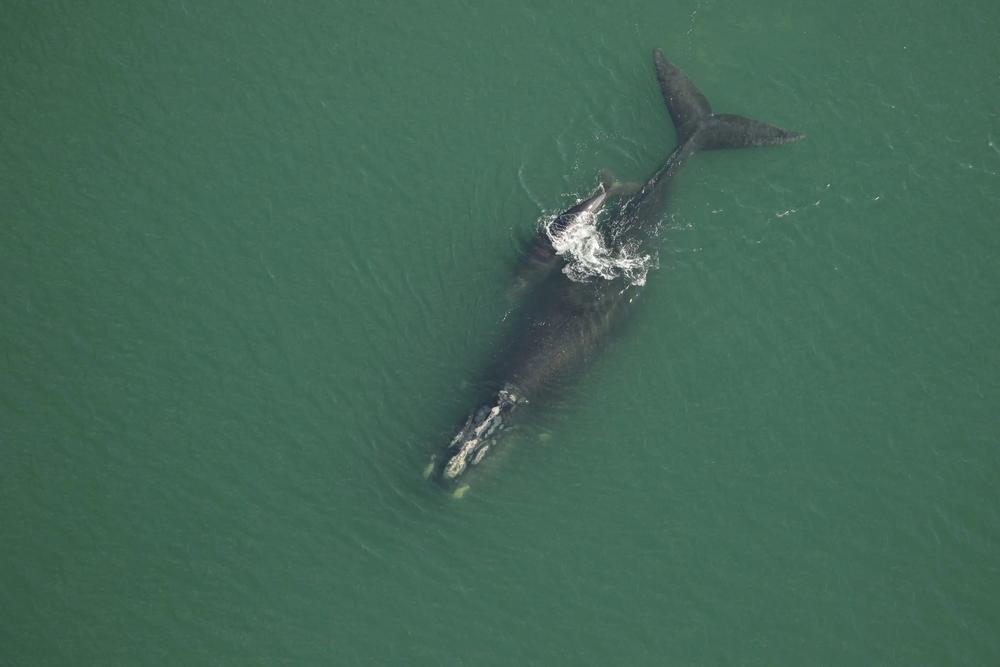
474, 440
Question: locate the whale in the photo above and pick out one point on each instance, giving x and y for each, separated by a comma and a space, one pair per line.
562, 323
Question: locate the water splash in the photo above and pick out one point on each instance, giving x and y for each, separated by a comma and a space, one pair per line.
588, 256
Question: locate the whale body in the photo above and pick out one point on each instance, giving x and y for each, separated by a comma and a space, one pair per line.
563, 322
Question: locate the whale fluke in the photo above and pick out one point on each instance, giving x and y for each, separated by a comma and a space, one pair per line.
686, 104
730, 131
698, 128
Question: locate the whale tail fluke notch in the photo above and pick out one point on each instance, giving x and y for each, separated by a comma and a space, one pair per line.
698, 128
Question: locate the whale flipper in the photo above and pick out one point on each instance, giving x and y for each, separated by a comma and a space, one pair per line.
607, 179
616, 188
698, 128
540, 258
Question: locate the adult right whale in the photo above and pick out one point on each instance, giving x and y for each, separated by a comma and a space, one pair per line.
563, 321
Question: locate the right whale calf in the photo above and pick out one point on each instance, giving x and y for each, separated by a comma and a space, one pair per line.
564, 320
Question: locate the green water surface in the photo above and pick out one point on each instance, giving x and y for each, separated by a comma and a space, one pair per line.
252, 255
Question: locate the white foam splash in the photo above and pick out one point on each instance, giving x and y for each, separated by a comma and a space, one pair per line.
587, 256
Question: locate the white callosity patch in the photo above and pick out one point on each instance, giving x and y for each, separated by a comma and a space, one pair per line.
471, 444
588, 257
459, 461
